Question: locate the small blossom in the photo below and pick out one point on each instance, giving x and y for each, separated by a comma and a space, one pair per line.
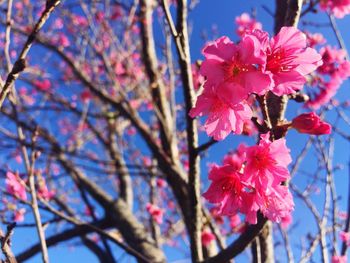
310, 123
44, 85
155, 212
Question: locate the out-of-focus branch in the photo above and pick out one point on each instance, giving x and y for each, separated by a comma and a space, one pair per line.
5, 244
287, 246
338, 35
157, 85
20, 63
347, 223
34, 206
192, 133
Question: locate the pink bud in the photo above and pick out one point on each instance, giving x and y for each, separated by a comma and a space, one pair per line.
310, 123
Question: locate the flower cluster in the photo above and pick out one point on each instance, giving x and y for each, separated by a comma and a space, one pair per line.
251, 180
339, 8
255, 65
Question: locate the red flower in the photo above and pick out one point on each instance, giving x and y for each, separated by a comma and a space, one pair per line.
310, 123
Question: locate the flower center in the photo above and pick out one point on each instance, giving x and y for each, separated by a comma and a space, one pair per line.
279, 61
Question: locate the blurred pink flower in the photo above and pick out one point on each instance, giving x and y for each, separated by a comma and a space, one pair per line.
246, 23
19, 215
207, 237
334, 63
339, 8
155, 212
345, 237
314, 39
15, 186
43, 190
339, 259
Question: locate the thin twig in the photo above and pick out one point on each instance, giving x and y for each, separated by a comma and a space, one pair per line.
20, 64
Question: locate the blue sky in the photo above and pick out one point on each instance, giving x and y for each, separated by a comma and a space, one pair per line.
221, 14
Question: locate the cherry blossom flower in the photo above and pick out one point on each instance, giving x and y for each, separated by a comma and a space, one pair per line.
226, 189
223, 117
266, 163
15, 186
246, 23
235, 71
290, 60
310, 123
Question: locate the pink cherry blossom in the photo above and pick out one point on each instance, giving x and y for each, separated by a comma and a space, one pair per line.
15, 186
266, 163
226, 189
290, 60
223, 117
246, 23
310, 123
235, 71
